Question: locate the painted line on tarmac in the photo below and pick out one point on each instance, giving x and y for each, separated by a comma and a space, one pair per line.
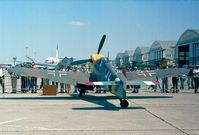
160, 118
11, 121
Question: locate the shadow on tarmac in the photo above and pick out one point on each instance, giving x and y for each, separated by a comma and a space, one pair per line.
99, 100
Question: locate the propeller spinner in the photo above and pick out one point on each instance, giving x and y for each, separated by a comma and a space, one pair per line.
94, 57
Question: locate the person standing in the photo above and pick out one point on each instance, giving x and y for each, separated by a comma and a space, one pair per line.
2, 79
14, 78
33, 85
165, 84
182, 80
62, 87
196, 78
156, 86
175, 84
190, 79
33, 81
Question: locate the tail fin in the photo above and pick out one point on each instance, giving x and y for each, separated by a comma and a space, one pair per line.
57, 53
65, 62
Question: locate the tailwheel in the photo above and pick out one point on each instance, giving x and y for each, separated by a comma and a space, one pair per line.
81, 92
124, 103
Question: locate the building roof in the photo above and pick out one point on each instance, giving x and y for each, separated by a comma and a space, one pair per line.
167, 44
162, 45
120, 55
141, 50
190, 35
129, 52
144, 49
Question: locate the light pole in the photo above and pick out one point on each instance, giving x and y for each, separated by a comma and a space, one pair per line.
26, 51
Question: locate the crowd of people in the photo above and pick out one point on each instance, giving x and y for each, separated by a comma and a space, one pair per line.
30, 84
177, 82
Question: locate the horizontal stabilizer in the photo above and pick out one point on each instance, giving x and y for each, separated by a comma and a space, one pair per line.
127, 83
142, 83
100, 83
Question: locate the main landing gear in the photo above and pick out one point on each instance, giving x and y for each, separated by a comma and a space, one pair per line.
81, 92
124, 103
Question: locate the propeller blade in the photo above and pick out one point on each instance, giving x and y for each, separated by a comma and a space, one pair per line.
101, 44
80, 62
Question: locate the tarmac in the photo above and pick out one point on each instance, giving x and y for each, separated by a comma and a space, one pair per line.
149, 113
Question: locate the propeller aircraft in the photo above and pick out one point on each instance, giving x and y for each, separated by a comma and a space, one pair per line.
103, 74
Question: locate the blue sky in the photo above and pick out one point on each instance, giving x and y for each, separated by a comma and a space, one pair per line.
78, 25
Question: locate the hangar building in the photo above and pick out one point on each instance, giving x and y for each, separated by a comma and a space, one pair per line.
187, 48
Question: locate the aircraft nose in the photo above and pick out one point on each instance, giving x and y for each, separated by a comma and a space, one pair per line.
117, 79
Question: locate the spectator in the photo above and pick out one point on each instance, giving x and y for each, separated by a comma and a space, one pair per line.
182, 80
175, 83
2, 79
165, 84
196, 78
14, 78
190, 79
33, 85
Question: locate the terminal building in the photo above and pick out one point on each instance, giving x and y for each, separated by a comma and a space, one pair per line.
140, 56
124, 59
128, 58
187, 48
162, 53
119, 60
183, 52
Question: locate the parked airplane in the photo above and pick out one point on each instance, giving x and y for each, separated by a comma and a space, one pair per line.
53, 60
102, 75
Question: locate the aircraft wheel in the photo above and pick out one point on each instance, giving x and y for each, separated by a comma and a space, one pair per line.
124, 103
81, 92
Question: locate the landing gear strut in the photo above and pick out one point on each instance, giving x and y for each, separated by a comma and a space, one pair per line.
81, 92
124, 103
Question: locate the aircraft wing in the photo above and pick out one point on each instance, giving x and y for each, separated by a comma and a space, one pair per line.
52, 75
171, 72
142, 83
141, 75
160, 73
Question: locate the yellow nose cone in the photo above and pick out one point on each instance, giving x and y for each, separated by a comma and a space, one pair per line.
117, 79
96, 57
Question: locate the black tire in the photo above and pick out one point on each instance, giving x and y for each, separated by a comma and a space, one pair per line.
81, 92
124, 103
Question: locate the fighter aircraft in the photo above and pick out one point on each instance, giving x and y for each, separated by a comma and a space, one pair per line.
102, 74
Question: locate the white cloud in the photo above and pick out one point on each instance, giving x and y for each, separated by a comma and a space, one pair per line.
78, 23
